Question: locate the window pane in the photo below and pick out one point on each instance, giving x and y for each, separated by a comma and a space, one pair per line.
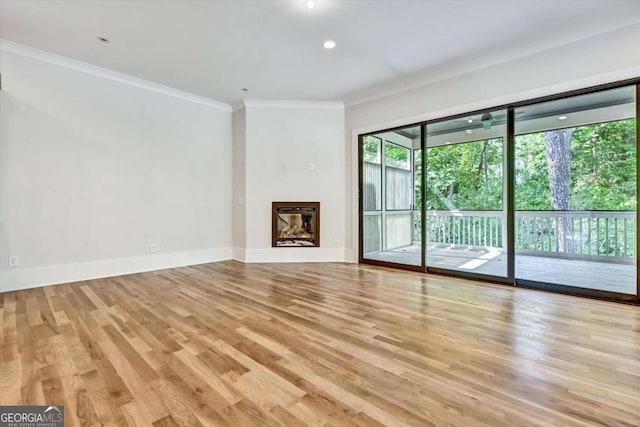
576, 191
371, 149
466, 218
466, 176
398, 176
397, 156
371, 174
391, 231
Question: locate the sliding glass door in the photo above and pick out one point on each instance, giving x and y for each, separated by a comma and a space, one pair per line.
540, 194
465, 194
391, 175
576, 192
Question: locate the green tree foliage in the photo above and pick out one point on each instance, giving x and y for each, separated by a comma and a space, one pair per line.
468, 176
603, 171
532, 175
371, 149
397, 156
604, 166
465, 176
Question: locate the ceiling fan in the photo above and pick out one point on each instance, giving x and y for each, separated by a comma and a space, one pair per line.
486, 120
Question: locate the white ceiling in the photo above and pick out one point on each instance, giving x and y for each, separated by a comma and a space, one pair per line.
273, 47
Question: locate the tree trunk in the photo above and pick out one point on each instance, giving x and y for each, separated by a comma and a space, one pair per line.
558, 151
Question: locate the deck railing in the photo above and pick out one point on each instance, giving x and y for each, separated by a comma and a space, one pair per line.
580, 234
569, 234
472, 228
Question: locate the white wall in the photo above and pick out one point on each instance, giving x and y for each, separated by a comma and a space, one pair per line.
282, 139
606, 58
93, 170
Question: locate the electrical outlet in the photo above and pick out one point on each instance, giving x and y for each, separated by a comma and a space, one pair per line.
154, 248
14, 261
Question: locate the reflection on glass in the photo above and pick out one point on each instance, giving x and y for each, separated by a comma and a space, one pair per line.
391, 224
371, 165
576, 191
466, 216
398, 177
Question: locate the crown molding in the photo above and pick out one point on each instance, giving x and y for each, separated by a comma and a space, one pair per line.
264, 103
63, 61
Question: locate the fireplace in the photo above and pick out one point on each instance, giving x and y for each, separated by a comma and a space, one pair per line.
295, 224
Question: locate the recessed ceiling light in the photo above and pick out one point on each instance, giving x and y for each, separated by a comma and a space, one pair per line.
103, 39
469, 131
563, 117
311, 4
470, 120
329, 44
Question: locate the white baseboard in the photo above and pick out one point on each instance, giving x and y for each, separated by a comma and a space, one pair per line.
351, 256
294, 255
239, 254
24, 278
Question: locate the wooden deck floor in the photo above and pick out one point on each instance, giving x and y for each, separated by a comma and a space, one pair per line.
318, 344
605, 276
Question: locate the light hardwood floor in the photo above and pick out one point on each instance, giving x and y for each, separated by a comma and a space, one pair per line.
318, 344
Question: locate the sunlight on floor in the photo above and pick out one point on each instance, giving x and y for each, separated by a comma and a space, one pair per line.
477, 262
